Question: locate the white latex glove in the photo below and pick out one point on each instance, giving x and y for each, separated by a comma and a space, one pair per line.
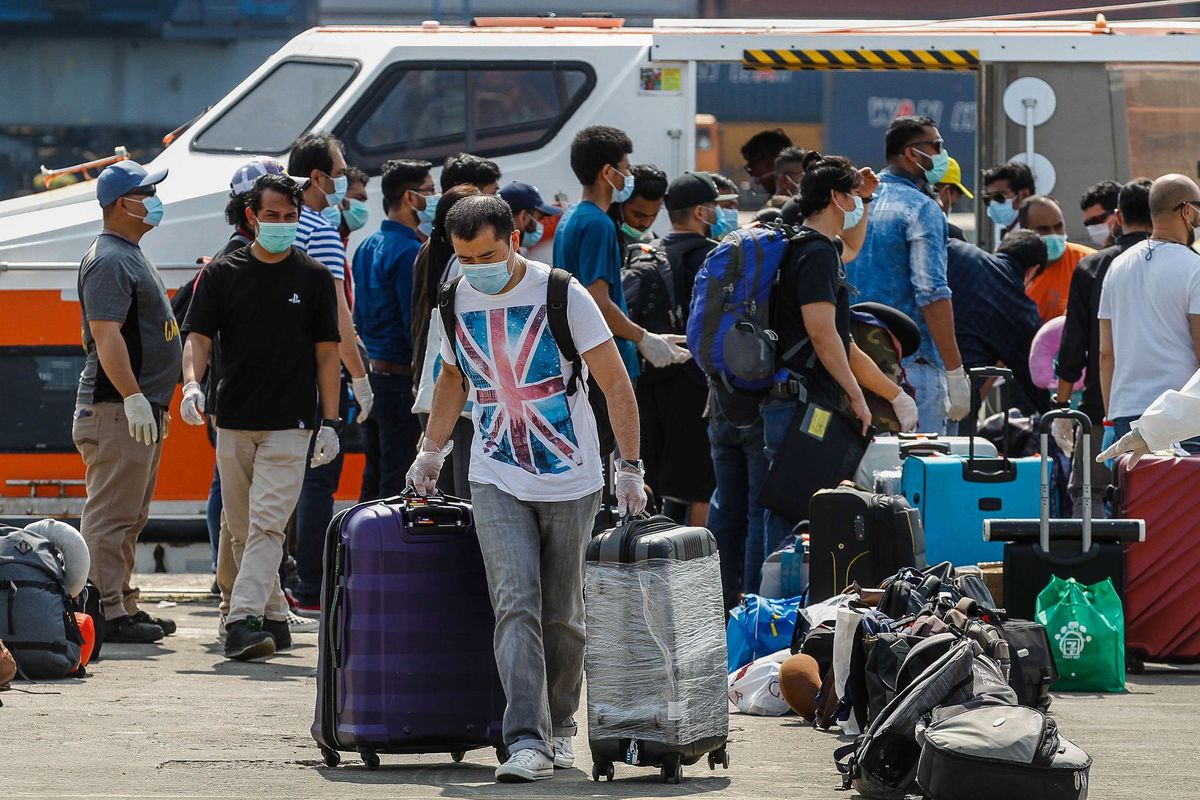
1131, 443
631, 491
1063, 431
327, 447
191, 408
906, 411
364, 396
958, 387
423, 474
142, 425
660, 352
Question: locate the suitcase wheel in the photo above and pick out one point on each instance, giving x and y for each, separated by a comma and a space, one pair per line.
1134, 663
719, 757
672, 771
370, 759
459, 756
603, 768
332, 757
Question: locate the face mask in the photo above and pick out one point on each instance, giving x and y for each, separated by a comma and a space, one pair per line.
275, 237
1098, 233
425, 215
1002, 214
154, 210
333, 214
939, 163
625, 192
1056, 245
530, 238
356, 215
726, 221
340, 185
487, 278
632, 232
853, 216
426, 229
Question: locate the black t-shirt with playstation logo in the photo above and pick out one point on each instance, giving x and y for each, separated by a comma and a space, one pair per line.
269, 317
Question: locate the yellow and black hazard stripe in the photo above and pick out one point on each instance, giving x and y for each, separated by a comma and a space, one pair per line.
861, 59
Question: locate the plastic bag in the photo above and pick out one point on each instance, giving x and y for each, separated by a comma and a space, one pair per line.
1087, 631
754, 688
758, 627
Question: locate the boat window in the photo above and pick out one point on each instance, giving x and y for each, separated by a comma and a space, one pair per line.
38, 400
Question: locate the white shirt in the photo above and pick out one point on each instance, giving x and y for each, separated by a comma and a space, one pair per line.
1148, 293
531, 440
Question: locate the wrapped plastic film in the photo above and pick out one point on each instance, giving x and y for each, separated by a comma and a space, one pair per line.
656, 651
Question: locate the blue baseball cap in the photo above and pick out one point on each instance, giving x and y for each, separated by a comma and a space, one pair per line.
123, 177
523, 196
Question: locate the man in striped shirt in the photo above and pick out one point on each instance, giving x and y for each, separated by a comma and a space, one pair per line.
318, 158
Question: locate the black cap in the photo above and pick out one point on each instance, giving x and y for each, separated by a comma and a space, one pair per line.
693, 189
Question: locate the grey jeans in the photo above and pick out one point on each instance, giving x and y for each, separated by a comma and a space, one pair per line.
533, 554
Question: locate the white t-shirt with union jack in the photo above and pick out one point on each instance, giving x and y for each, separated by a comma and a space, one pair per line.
532, 440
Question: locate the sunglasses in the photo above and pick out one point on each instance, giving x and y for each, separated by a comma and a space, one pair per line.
935, 143
1099, 219
996, 197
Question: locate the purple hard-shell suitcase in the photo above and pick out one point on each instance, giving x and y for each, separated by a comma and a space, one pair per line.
406, 663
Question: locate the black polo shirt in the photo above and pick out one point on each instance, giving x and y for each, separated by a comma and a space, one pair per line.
269, 317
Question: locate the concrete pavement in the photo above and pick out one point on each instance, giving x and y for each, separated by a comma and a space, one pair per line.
178, 720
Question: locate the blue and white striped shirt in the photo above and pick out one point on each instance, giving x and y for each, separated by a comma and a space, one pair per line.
320, 239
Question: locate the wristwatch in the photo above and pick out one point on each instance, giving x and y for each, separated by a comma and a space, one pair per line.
631, 465
336, 424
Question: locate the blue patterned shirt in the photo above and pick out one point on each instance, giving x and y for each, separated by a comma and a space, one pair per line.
903, 260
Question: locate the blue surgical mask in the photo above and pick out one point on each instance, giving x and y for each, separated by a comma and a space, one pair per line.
939, 163
1056, 245
426, 229
356, 215
726, 222
487, 278
1003, 214
275, 237
853, 216
340, 185
625, 192
333, 214
426, 214
529, 239
154, 210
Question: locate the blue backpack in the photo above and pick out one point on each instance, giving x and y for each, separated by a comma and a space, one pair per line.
729, 324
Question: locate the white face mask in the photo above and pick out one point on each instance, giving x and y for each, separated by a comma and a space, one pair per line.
1098, 233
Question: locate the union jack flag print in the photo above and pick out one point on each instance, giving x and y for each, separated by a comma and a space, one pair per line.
512, 361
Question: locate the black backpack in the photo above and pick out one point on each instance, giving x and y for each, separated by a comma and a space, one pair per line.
556, 318
655, 284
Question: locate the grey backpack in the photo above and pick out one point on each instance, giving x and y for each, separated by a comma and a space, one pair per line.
36, 621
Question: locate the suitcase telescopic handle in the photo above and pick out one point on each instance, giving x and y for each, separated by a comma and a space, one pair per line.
973, 374
1085, 425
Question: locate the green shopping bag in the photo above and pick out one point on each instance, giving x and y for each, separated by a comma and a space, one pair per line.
1087, 630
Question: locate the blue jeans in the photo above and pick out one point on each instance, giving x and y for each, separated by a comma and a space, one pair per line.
777, 419
212, 514
734, 515
930, 383
390, 435
533, 554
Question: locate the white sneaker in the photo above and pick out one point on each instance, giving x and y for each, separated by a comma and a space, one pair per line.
564, 752
299, 624
525, 766
221, 628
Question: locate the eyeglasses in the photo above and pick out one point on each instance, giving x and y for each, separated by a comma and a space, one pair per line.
996, 197
1099, 219
1193, 203
425, 191
936, 143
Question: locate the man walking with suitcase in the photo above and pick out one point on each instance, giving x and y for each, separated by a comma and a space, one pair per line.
521, 335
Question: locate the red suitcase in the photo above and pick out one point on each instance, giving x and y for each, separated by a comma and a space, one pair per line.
1162, 574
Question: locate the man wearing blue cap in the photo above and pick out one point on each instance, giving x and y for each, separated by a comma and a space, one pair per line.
133, 362
529, 209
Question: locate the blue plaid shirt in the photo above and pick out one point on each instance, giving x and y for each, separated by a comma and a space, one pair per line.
903, 260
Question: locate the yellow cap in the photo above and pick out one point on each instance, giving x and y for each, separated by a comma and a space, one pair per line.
953, 177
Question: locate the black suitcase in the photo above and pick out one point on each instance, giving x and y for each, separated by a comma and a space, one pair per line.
1037, 549
653, 589
856, 535
1033, 667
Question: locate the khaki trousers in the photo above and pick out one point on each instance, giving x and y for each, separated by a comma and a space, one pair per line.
261, 476
121, 473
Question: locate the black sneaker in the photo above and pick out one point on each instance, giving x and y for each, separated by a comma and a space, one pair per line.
128, 630
245, 640
280, 631
167, 625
